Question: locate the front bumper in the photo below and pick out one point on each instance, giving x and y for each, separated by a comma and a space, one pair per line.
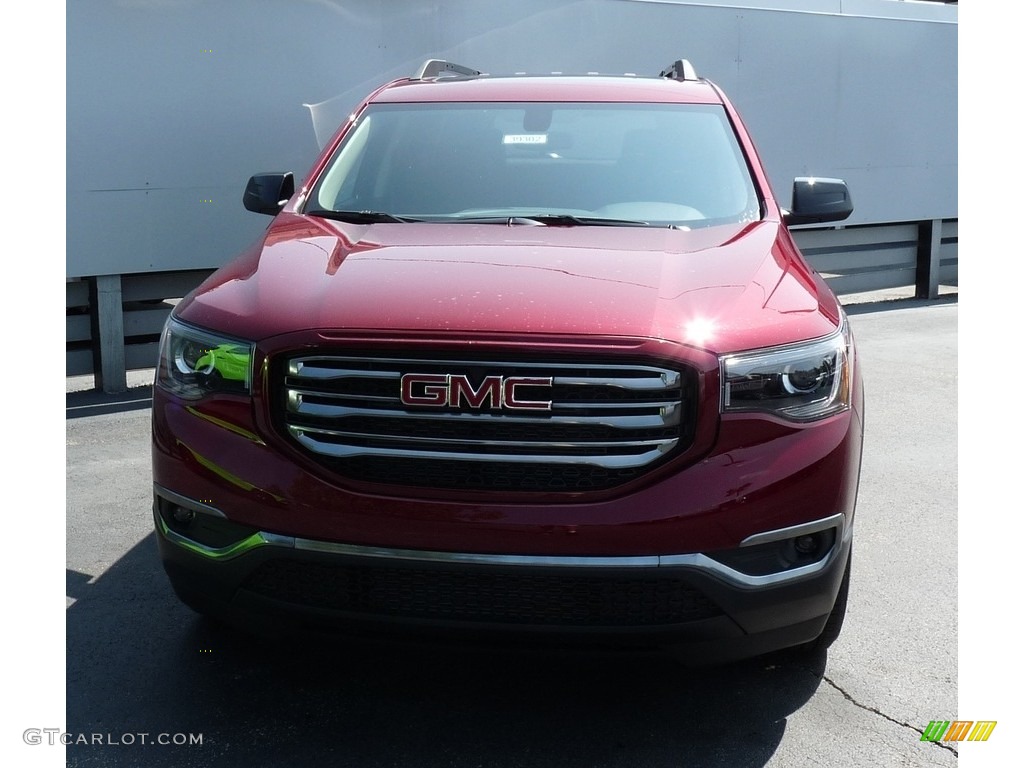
695, 599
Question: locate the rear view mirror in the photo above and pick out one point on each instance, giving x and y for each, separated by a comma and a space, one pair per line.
816, 201
268, 192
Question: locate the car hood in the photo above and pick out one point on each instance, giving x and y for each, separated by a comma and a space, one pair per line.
720, 288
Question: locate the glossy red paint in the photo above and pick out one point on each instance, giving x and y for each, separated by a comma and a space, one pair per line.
742, 286
761, 475
680, 298
685, 296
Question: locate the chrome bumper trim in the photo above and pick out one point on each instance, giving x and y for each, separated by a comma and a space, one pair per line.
780, 534
696, 561
186, 503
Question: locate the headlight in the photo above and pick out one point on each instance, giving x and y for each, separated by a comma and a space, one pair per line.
800, 382
195, 363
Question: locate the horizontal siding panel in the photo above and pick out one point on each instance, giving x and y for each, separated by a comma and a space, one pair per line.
900, 257
78, 362
77, 294
141, 355
78, 328
161, 285
146, 321
871, 281
836, 239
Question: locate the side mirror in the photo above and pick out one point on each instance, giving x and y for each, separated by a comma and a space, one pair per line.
816, 201
268, 192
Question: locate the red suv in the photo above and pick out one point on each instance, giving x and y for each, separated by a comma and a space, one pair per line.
530, 354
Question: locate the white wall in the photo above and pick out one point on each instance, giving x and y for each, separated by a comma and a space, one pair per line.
172, 104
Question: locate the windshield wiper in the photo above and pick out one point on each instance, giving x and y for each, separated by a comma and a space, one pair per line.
572, 220
540, 219
556, 220
361, 217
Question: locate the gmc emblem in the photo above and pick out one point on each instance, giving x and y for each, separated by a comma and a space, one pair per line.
444, 390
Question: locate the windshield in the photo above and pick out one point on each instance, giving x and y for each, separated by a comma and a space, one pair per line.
540, 163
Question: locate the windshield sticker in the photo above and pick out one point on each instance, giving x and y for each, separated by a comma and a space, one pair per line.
525, 138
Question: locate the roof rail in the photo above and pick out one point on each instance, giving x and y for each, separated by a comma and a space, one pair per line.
436, 67
680, 69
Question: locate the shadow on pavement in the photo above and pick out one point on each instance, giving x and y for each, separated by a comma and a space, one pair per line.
140, 662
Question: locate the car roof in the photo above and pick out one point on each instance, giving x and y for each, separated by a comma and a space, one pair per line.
558, 88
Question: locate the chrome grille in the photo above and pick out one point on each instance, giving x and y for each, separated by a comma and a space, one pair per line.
600, 425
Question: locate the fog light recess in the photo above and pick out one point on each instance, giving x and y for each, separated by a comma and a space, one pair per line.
200, 526
778, 556
181, 515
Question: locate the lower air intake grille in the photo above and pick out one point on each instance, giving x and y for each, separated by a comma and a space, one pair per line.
484, 425
467, 595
